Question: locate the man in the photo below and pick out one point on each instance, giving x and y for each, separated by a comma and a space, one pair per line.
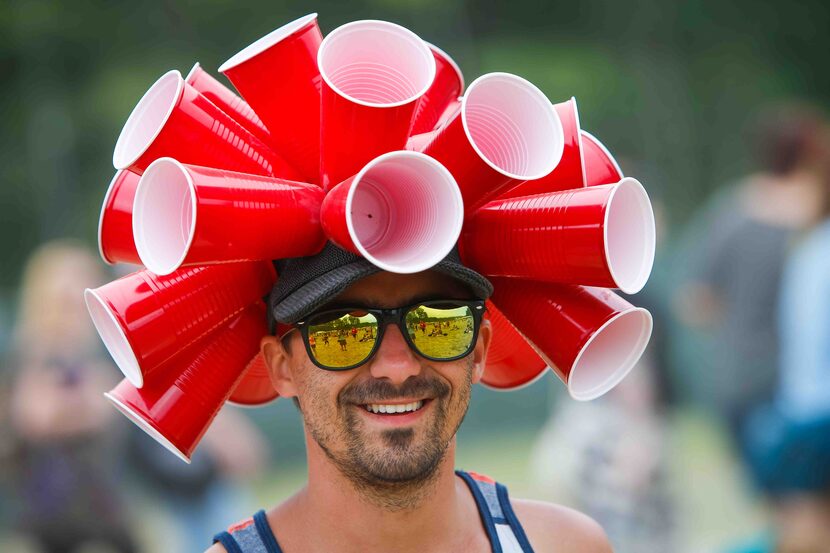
380, 431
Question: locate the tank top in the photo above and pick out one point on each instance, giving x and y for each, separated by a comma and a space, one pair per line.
254, 535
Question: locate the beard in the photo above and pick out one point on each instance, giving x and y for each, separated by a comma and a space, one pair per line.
392, 468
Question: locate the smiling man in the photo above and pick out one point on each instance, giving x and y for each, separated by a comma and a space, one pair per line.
381, 416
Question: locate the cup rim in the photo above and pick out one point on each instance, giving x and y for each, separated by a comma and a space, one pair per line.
579, 140
391, 26
191, 74
560, 134
605, 150
446, 57
626, 365
126, 361
264, 43
636, 284
147, 426
138, 237
119, 159
456, 193
519, 386
101, 216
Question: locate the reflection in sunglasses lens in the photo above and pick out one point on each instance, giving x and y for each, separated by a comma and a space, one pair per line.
441, 331
342, 339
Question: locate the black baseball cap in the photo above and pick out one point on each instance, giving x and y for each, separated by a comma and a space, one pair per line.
307, 283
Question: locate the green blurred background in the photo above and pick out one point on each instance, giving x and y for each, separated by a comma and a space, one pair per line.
669, 86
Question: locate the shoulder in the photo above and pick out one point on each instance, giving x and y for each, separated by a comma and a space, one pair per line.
216, 548
551, 527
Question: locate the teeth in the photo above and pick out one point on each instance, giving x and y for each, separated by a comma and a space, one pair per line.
381, 408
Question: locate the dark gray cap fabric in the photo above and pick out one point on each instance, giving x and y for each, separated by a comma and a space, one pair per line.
305, 284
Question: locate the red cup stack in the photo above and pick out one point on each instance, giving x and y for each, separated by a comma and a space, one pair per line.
504, 134
511, 361
144, 319
590, 337
227, 101
278, 76
365, 139
374, 74
190, 215
597, 236
173, 120
177, 406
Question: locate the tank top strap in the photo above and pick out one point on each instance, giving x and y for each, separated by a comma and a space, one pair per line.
500, 522
252, 535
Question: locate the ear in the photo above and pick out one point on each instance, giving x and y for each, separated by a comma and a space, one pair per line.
485, 334
278, 360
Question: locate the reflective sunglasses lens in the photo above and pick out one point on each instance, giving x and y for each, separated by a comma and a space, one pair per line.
342, 339
441, 331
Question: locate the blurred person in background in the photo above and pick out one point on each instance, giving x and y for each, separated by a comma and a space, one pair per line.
610, 457
728, 287
209, 492
65, 459
788, 440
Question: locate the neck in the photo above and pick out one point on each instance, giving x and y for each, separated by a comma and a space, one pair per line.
398, 517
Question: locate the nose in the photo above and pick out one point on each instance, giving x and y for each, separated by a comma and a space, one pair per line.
394, 359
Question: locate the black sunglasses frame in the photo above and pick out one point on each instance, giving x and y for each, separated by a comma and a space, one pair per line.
395, 316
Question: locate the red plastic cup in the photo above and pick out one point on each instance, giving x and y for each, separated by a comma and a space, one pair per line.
590, 337
255, 387
402, 211
505, 133
190, 215
144, 319
278, 76
445, 91
227, 101
600, 165
597, 236
178, 404
569, 173
115, 224
173, 119
511, 361
374, 74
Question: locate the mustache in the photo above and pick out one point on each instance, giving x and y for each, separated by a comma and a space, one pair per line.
375, 390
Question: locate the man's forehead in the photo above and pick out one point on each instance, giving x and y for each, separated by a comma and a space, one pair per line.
384, 289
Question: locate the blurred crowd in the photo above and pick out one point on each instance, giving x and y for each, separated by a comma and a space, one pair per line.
68, 461
741, 302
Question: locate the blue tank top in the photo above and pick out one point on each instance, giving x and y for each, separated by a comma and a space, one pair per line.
506, 535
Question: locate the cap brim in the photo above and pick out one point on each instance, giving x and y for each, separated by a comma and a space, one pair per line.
321, 290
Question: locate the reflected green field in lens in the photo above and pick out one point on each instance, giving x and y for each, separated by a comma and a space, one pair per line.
332, 354
448, 341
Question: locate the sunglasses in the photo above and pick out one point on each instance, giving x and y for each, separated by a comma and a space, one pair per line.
344, 338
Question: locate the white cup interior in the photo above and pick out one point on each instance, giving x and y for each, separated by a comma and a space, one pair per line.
610, 354
513, 126
114, 338
376, 63
630, 236
146, 426
164, 216
269, 40
404, 212
147, 119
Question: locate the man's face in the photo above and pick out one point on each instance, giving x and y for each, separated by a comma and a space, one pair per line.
385, 448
